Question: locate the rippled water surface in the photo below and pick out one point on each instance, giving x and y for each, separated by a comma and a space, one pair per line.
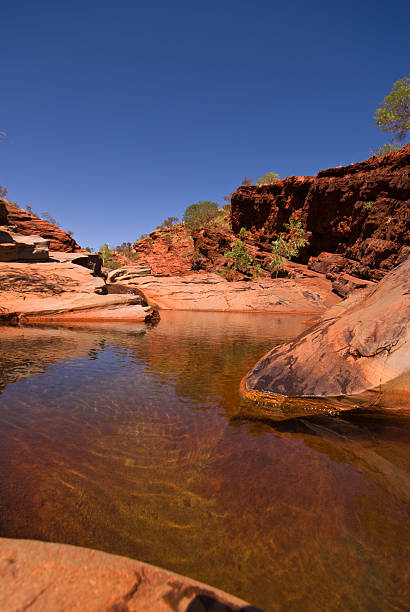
137, 442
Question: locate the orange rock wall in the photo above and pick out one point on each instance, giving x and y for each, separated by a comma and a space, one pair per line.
361, 211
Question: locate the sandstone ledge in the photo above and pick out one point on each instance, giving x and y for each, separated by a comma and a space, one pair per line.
209, 292
41, 576
62, 290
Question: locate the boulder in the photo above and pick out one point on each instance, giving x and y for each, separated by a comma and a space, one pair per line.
43, 576
360, 344
128, 275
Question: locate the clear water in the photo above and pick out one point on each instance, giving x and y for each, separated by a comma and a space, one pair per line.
138, 443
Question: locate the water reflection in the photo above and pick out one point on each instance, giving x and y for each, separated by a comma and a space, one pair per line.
138, 443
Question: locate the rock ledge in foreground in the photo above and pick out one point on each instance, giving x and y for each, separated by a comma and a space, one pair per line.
43, 576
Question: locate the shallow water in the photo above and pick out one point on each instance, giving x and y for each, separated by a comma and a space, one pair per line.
139, 444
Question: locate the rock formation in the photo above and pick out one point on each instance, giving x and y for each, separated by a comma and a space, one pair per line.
27, 224
43, 576
360, 212
15, 247
360, 343
309, 294
41, 285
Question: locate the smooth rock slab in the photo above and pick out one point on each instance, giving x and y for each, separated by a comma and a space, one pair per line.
40, 576
210, 292
360, 344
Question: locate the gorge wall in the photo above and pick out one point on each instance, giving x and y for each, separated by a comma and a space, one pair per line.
360, 212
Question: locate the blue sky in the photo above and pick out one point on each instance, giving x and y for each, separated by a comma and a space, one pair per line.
122, 113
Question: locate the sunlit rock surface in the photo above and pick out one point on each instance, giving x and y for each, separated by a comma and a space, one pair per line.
61, 289
210, 292
359, 344
43, 576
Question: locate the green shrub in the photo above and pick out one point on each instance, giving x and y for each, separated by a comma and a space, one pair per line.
200, 214
239, 254
287, 246
390, 147
269, 177
368, 205
3, 192
105, 253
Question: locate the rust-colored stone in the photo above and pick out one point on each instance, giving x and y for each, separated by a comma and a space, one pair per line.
361, 211
28, 224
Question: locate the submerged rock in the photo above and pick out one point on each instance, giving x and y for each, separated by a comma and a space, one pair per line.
359, 344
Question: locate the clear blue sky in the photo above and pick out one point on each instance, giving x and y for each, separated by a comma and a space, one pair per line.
120, 113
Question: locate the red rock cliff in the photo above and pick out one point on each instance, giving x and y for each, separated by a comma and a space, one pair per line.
28, 224
361, 211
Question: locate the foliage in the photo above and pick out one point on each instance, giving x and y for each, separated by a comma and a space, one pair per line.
200, 214
170, 221
390, 147
287, 246
393, 114
3, 192
242, 259
247, 180
105, 253
368, 205
269, 177
124, 247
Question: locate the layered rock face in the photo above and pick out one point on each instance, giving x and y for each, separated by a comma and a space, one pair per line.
360, 343
361, 211
27, 224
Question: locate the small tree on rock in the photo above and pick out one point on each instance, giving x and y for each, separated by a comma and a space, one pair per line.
393, 114
200, 214
170, 221
269, 177
287, 246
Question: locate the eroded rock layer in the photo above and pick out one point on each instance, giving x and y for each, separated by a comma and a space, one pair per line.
361, 212
28, 224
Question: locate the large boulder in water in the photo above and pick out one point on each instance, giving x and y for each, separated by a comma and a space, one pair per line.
359, 344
